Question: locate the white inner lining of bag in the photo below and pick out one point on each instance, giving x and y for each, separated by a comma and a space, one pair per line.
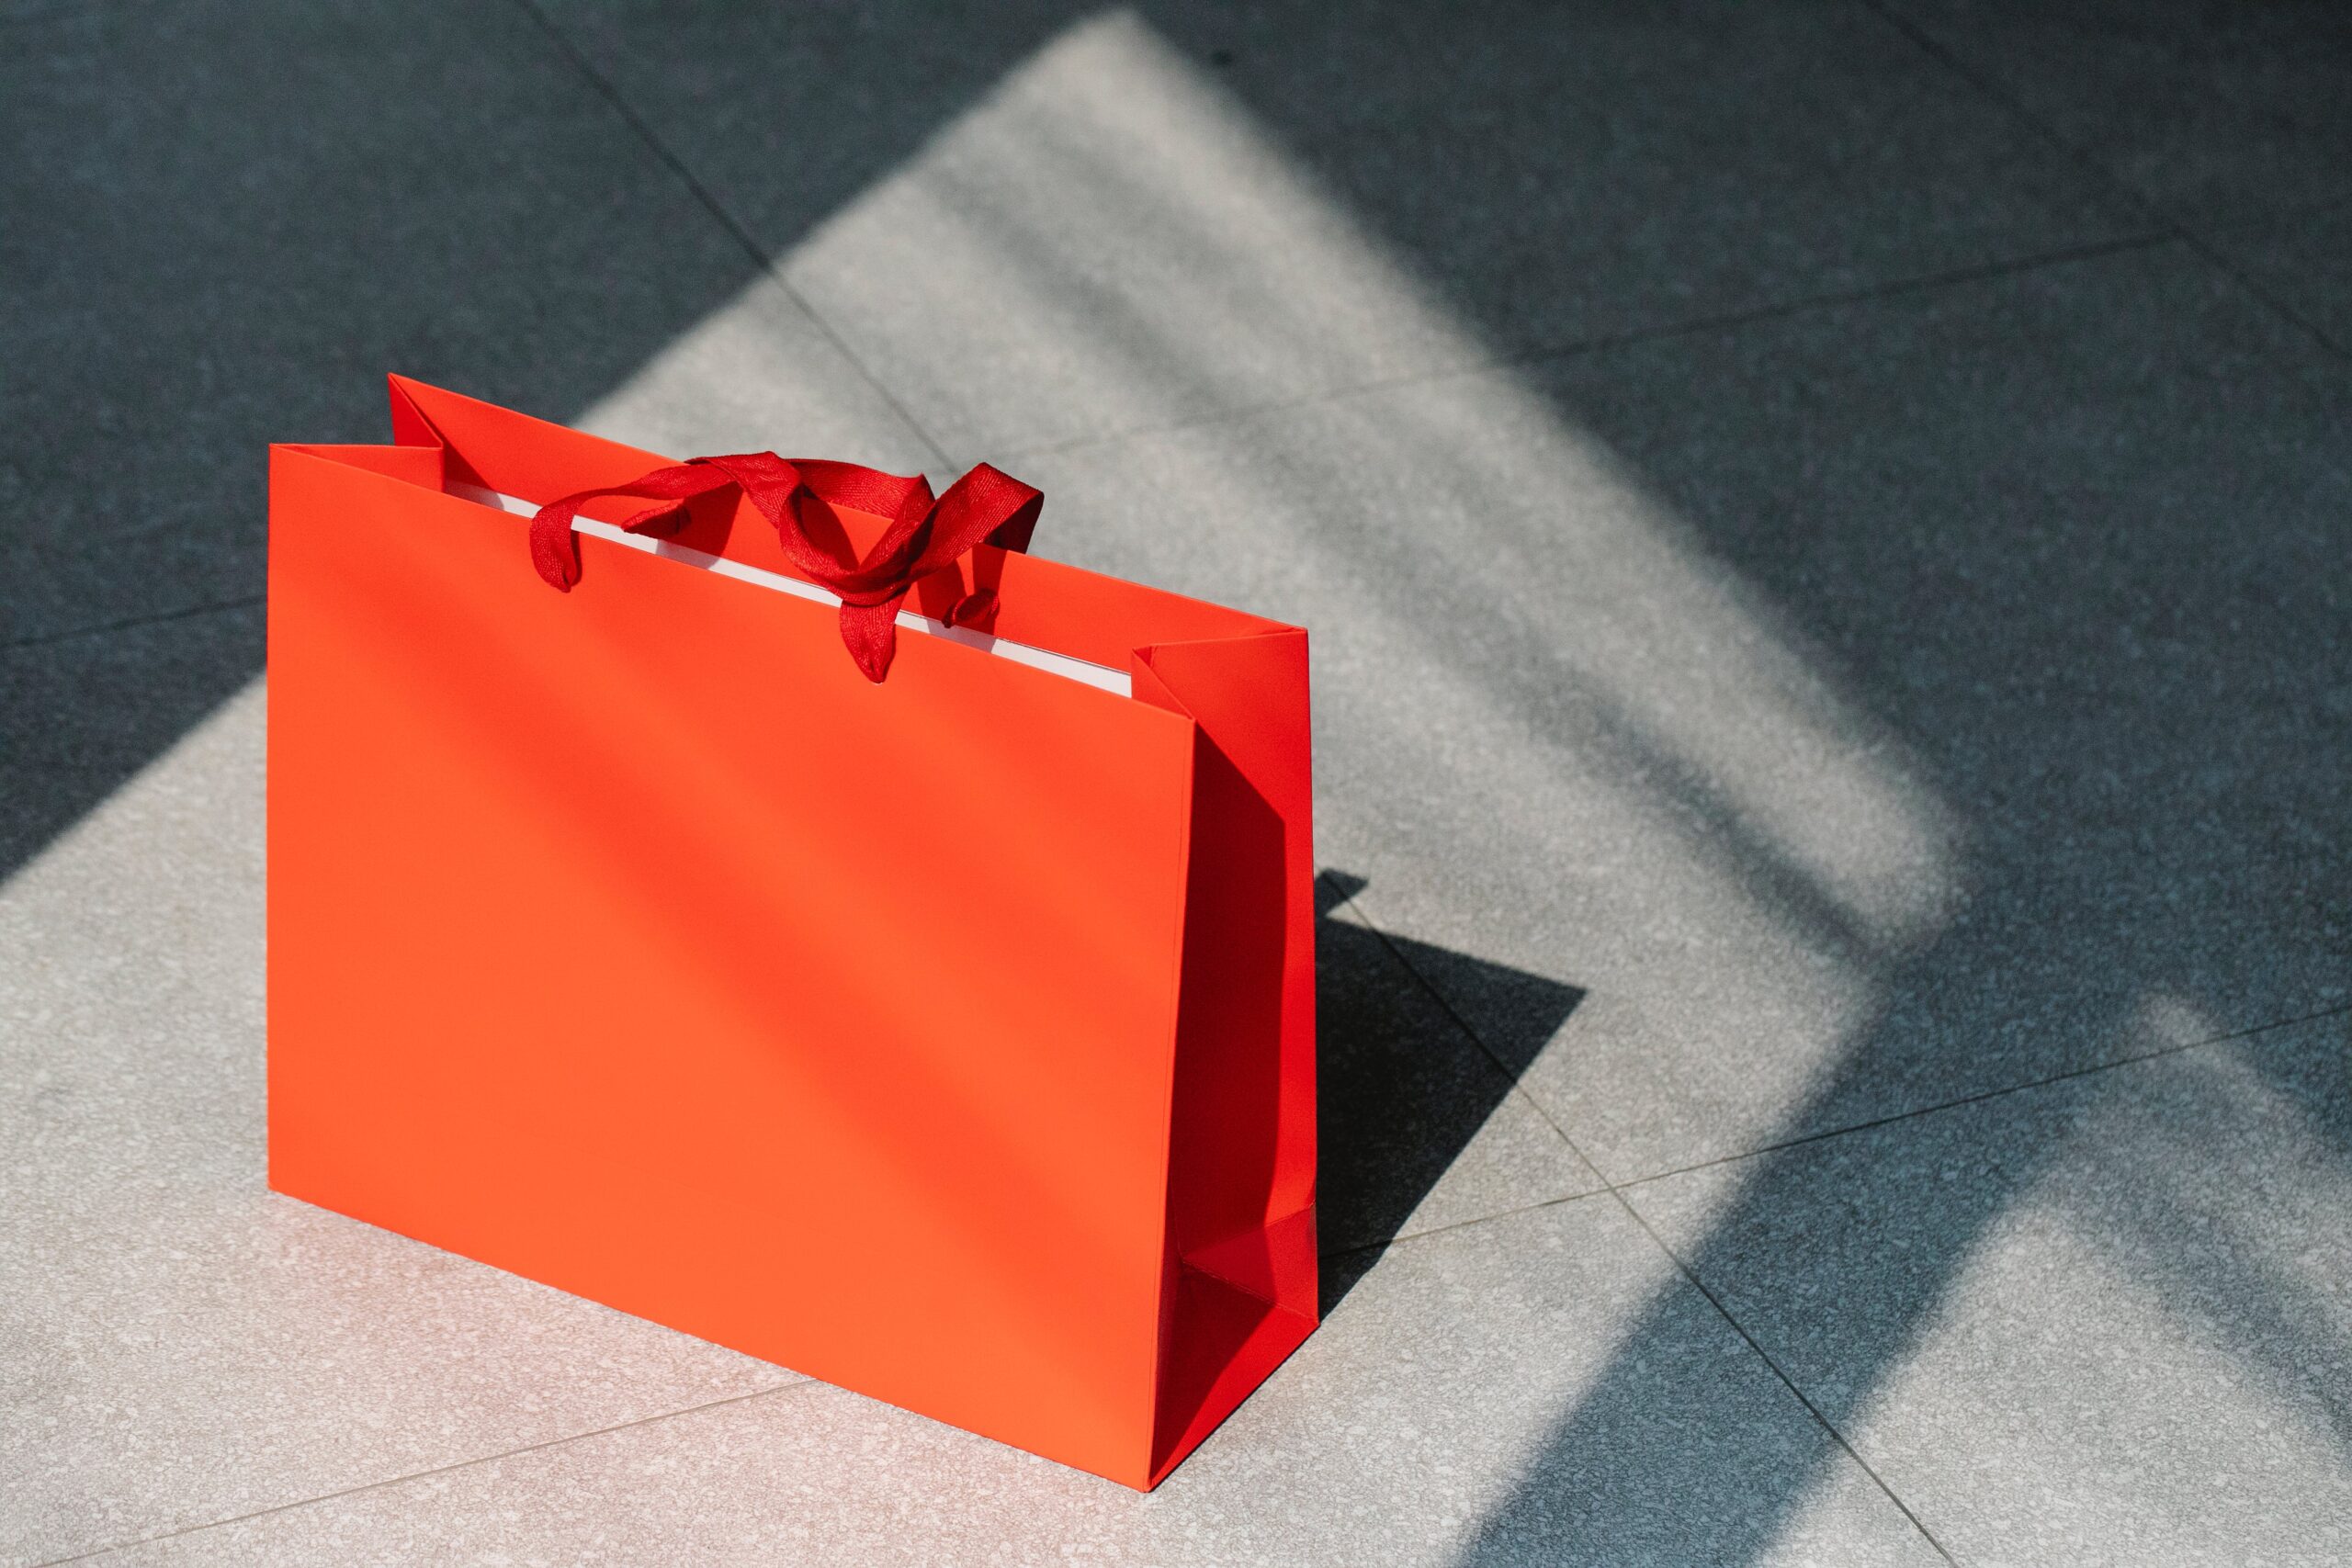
1100, 676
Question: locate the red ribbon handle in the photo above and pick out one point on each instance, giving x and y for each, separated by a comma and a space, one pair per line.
925, 535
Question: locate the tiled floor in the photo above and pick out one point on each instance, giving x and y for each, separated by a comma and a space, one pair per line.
1826, 530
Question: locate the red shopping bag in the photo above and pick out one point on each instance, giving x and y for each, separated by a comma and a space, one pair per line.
885, 957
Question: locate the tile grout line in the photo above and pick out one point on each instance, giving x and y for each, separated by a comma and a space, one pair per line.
1617, 1190
1632, 337
1359, 1249
1516, 1090
1763, 1149
736, 229
1610, 1189
1688, 1274
1786, 1381
2168, 232
2114, 1065
2260, 294
97, 1551
2178, 230
135, 623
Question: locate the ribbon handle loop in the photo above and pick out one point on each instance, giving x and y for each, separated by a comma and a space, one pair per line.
555, 551
926, 533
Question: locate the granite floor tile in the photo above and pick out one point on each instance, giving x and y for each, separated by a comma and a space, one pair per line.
2213, 113
176, 1346
228, 222
1864, 708
1174, 209
754, 374
1415, 1428
2103, 1321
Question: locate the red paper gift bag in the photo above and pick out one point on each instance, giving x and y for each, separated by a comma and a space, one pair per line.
909, 981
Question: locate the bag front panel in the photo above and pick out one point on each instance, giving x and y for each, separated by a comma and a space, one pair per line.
632, 941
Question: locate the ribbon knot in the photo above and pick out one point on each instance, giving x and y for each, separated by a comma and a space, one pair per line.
926, 533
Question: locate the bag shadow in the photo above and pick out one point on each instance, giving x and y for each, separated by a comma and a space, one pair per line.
1403, 1084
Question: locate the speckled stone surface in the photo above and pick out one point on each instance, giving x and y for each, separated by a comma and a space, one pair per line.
2210, 112
80, 714
2099, 1322
2297, 258
1175, 210
1462, 1406
226, 224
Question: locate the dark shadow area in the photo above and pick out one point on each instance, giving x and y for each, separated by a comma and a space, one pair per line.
1401, 1087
